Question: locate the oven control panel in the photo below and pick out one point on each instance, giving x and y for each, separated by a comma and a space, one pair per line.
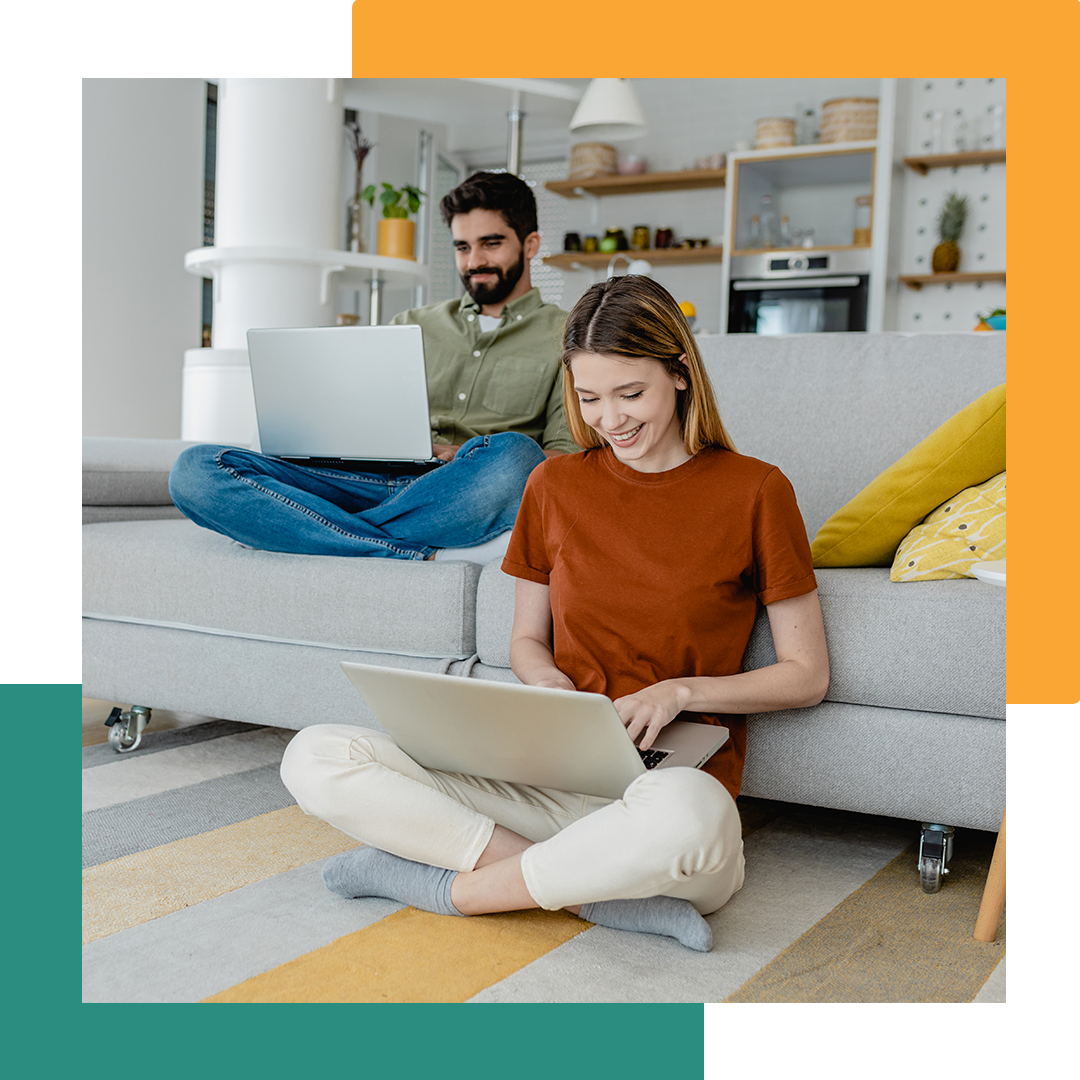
798, 264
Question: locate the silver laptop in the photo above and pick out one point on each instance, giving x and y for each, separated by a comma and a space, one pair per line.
524, 734
344, 397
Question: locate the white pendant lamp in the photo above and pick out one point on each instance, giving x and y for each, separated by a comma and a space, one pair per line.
609, 111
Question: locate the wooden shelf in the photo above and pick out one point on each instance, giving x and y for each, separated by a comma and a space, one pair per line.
923, 163
578, 260
917, 281
684, 180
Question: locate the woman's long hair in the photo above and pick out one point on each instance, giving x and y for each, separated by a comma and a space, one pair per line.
634, 317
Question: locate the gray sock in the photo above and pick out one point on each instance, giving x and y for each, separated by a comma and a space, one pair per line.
368, 871
665, 915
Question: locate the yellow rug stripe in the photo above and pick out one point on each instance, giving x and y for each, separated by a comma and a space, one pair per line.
149, 884
413, 956
891, 942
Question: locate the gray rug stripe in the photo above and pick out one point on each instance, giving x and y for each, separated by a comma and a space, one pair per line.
155, 741
190, 954
147, 823
796, 873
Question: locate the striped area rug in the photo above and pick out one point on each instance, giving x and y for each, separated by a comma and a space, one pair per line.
201, 883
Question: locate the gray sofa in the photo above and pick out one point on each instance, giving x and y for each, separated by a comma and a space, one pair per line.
912, 726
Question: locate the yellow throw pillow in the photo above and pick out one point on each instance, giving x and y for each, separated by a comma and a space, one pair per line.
969, 528
967, 449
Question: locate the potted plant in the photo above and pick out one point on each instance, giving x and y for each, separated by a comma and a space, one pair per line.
397, 234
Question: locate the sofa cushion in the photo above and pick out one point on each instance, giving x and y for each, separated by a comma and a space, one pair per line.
967, 449
128, 472
174, 573
936, 648
967, 529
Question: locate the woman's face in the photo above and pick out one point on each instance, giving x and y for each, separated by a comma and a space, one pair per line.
632, 405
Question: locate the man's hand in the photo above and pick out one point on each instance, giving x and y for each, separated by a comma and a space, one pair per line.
649, 710
444, 451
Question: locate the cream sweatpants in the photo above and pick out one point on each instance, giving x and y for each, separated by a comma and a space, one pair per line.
675, 832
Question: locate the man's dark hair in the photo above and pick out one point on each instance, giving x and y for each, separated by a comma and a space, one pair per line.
503, 192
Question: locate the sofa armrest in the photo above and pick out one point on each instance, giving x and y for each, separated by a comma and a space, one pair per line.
125, 479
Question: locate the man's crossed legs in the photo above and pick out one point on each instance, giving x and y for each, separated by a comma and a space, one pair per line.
269, 504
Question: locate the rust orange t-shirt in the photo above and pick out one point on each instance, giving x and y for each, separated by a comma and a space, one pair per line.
657, 576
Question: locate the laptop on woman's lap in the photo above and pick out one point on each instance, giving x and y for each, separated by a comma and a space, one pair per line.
531, 735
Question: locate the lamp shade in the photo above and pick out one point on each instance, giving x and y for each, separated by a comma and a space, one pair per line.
609, 111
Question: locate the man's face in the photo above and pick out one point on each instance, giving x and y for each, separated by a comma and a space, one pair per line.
490, 258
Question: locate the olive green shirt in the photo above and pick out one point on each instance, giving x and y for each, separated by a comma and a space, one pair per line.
507, 379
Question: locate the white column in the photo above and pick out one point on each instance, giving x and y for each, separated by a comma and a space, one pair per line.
279, 146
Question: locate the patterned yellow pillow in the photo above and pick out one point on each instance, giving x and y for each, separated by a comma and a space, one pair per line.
969, 528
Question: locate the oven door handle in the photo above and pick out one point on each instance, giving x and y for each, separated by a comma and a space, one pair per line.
801, 283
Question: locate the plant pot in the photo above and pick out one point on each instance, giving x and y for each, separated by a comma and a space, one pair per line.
397, 238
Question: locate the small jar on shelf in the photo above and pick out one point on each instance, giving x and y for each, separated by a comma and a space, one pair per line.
861, 232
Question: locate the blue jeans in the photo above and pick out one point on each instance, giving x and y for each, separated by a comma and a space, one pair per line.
269, 504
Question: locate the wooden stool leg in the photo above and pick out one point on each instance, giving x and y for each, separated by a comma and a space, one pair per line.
993, 898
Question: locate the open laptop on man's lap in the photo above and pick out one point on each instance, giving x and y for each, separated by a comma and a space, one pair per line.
343, 397
532, 735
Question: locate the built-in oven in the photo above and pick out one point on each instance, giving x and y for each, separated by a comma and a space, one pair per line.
798, 292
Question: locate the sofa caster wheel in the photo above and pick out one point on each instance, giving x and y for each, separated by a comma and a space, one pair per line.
126, 728
935, 853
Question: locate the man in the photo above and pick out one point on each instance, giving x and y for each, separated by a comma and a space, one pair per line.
495, 393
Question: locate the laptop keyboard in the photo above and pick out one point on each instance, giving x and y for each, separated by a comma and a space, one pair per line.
651, 758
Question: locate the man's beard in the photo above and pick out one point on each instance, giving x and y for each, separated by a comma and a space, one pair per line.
498, 291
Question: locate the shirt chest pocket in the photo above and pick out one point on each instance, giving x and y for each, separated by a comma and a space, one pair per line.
516, 387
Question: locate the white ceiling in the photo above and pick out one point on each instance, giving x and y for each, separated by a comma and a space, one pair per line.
475, 111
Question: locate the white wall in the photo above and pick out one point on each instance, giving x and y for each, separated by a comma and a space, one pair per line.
142, 195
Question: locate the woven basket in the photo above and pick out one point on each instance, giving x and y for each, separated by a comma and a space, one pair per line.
774, 131
590, 159
849, 120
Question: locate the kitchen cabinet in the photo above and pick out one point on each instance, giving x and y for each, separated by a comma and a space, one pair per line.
815, 186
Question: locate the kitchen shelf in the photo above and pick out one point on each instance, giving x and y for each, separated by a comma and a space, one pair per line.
917, 281
579, 260
599, 186
923, 163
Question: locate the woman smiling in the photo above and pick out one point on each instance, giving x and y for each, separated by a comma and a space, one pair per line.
640, 564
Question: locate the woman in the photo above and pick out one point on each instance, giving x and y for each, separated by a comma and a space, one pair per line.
640, 564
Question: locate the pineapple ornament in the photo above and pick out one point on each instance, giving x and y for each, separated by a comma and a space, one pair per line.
950, 224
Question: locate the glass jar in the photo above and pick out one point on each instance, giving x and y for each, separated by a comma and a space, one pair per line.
785, 231
639, 238
861, 232
770, 227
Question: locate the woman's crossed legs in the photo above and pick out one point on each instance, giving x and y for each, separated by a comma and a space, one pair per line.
670, 848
